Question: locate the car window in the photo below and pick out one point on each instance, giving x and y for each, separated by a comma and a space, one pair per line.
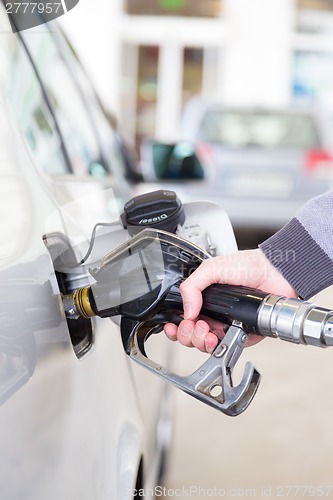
65, 100
92, 144
269, 130
29, 106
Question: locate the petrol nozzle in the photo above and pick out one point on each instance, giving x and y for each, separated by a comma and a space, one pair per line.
139, 282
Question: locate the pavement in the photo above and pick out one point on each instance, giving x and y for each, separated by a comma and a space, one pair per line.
280, 447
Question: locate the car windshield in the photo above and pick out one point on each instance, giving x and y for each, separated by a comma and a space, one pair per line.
28, 103
260, 129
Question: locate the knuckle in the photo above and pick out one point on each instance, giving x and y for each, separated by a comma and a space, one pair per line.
183, 286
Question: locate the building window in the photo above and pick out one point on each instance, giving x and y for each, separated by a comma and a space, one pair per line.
192, 73
312, 76
315, 4
146, 92
188, 8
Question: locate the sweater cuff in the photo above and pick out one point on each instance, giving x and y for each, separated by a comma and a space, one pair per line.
302, 262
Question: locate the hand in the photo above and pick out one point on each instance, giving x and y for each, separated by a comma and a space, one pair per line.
248, 268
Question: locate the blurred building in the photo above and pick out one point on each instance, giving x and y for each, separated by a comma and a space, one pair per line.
149, 57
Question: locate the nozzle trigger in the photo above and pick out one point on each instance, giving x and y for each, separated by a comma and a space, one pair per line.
212, 382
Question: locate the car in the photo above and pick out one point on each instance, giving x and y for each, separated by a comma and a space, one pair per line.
260, 164
77, 418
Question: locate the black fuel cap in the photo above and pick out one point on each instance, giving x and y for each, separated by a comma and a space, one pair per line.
158, 209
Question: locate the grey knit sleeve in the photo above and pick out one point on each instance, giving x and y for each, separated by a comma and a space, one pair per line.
303, 249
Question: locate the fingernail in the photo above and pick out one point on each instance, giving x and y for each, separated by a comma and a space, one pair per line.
186, 331
198, 332
187, 311
209, 346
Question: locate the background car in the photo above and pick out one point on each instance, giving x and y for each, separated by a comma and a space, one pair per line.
277, 157
261, 165
77, 419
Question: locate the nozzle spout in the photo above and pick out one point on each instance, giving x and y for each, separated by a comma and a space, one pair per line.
78, 304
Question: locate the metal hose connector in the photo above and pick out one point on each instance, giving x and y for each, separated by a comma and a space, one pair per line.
296, 321
78, 305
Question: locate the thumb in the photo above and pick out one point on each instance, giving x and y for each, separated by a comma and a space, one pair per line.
192, 287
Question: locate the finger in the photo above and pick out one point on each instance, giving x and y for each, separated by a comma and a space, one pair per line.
211, 341
192, 301
215, 326
191, 288
170, 331
185, 332
201, 329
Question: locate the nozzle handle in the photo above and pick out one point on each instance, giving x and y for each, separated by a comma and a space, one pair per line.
225, 303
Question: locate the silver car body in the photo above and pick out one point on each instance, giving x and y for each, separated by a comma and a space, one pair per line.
77, 421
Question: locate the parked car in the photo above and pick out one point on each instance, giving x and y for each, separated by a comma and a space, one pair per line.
77, 419
261, 165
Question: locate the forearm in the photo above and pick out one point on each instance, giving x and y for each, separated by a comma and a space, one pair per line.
303, 249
